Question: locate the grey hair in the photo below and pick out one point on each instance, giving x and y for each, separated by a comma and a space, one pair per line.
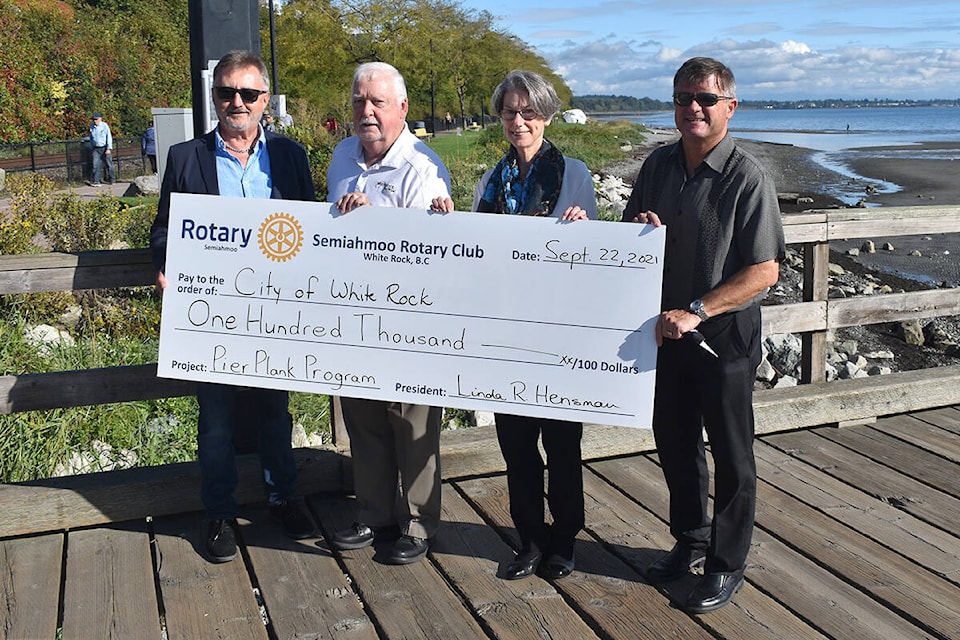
368, 70
543, 97
239, 59
697, 70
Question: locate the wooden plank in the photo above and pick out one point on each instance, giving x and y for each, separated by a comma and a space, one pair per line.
911, 460
895, 221
813, 593
911, 428
936, 507
893, 307
202, 599
803, 587
928, 546
472, 556
30, 586
843, 400
61, 389
816, 286
946, 418
795, 317
109, 590
114, 496
917, 594
617, 600
303, 587
473, 452
407, 601
638, 536
74, 271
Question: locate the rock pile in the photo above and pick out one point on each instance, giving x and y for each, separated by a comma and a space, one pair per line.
854, 352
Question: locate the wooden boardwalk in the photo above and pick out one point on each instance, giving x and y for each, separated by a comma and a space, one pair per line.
857, 537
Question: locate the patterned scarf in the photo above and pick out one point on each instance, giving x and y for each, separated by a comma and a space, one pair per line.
536, 195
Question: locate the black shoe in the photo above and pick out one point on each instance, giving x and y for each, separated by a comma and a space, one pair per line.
676, 564
557, 566
296, 523
524, 564
408, 549
356, 536
220, 544
714, 591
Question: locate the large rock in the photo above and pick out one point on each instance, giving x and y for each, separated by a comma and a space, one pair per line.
783, 352
147, 185
912, 332
574, 116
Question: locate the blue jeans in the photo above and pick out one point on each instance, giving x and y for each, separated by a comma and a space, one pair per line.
100, 156
223, 409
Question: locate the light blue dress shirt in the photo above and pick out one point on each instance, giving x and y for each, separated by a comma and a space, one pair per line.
252, 181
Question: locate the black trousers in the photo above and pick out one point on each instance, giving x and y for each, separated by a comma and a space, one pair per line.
518, 436
697, 391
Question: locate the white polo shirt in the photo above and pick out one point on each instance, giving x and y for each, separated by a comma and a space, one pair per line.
410, 175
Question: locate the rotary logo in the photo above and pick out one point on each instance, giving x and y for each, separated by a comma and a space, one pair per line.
280, 237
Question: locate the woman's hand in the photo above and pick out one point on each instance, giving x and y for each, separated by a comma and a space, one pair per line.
351, 201
648, 217
441, 204
574, 213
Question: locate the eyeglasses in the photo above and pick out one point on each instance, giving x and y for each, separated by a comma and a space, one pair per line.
247, 95
511, 114
685, 99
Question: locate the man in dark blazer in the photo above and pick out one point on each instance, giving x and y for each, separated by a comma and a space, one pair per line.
238, 159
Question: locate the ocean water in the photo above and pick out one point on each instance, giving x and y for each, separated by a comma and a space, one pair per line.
838, 136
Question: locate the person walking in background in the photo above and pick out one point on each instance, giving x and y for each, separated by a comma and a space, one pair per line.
238, 159
395, 446
101, 148
534, 178
723, 248
148, 147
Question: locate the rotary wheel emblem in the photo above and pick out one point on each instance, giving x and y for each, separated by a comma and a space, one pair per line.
280, 237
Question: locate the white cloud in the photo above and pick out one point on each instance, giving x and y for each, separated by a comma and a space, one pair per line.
795, 47
765, 69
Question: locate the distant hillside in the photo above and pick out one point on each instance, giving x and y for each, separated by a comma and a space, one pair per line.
618, 104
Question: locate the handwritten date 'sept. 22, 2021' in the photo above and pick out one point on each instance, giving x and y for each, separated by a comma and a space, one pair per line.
536, 317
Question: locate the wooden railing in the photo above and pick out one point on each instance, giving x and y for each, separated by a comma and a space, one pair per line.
474, 450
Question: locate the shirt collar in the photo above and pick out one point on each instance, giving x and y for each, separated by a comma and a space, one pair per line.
389, 158
259, 144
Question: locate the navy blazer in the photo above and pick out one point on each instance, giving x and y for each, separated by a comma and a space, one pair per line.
192, 168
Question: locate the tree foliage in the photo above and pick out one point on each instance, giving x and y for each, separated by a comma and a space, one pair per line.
59, 61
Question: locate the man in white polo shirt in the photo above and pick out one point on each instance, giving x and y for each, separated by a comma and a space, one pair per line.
395, 446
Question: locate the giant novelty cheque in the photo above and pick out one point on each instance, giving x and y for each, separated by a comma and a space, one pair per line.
514, 314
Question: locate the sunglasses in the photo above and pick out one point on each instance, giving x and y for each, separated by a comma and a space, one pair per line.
685, 99
510, 114
247, 95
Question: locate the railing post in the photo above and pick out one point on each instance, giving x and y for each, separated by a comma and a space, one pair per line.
816, 271
338, 428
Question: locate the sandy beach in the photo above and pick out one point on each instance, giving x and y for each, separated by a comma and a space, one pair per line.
922, 182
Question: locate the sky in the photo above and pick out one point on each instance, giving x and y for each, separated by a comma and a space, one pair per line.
777, 49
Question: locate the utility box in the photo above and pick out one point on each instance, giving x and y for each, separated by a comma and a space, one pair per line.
172, 126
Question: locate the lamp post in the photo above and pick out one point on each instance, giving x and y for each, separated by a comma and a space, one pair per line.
273, 53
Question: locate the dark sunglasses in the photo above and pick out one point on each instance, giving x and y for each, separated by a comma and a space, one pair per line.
685, 99
247, 95
511, 114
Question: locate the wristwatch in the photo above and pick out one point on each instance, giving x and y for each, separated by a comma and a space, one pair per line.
696, 307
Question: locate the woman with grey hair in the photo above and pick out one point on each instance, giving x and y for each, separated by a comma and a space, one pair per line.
535, 179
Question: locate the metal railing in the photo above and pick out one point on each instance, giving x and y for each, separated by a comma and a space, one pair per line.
70, 160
